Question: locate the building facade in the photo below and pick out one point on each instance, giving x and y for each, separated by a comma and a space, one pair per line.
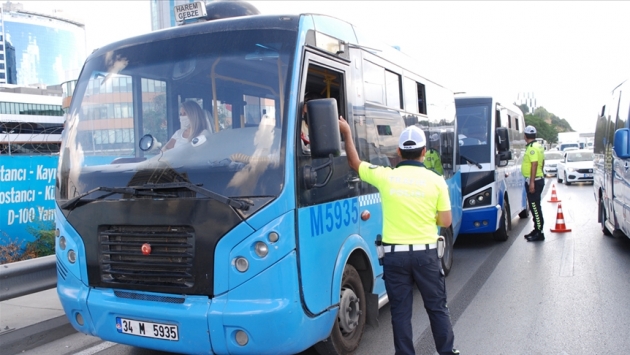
31, 120
528, 99
38, 49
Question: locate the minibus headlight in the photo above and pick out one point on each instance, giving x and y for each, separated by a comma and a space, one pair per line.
273, 237
483, 198
241, 264
261, 249
72, 256
62, 243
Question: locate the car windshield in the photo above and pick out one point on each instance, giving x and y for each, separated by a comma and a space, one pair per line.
569, 146
204, 109
582, 156
553, 156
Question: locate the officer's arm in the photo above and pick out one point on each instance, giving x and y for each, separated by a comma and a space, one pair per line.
532, 173
351, 151
444, 218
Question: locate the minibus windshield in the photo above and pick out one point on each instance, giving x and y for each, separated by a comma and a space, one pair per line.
204, 109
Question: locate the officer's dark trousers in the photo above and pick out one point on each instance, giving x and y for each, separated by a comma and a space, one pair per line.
534, 203
401, 271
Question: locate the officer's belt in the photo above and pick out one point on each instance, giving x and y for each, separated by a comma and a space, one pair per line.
408, 247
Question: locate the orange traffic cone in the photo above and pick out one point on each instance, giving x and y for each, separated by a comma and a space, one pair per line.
554, 197
560, 226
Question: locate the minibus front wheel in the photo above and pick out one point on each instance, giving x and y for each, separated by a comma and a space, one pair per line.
348, 328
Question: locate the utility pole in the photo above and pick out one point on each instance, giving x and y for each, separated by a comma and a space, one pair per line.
8, 138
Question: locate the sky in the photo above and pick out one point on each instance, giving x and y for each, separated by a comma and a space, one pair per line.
569, 54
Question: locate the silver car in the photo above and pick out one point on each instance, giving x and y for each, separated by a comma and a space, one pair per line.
552, 158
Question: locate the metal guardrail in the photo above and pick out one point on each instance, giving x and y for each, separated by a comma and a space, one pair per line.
28, 276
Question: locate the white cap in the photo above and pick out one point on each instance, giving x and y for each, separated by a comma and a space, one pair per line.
414, 137
530, 130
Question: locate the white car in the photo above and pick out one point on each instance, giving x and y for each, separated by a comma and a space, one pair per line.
576, 166
552, 158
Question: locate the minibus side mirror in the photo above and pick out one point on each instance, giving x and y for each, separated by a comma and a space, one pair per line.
325, 141
621, 145
503, 139
503, 157
323, 128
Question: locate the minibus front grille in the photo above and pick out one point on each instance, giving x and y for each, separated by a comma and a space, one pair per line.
147, 256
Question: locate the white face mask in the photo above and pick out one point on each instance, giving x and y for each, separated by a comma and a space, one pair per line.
184, 121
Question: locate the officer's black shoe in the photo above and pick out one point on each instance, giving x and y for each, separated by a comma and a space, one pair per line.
537, 237
530, 234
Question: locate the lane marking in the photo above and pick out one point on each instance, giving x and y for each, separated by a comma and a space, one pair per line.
566, 266
95, 349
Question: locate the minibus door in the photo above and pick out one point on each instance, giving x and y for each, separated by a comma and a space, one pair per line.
328, 211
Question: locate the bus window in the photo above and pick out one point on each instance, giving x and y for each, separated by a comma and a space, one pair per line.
392, 89
374, 81
415, 96
422, 101
622, 112
322, 82
256, 108
154, 110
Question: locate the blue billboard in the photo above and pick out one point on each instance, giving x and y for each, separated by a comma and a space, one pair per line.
27, 196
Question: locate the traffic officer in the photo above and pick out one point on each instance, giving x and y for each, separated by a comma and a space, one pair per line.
432, 159
532, 169
415, 201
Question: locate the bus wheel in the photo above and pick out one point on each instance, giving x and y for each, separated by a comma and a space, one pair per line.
447, 258
348, 328
505, 225
602, 218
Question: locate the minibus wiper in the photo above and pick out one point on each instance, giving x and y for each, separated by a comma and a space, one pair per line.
72, 203
238, 204
142, 191
471, 161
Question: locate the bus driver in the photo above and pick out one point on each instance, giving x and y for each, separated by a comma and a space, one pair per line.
192, 121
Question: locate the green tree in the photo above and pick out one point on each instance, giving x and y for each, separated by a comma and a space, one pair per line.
547, 124
544, 130
524, 108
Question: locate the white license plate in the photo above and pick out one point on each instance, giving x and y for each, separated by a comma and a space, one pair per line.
588, 175
147, 329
